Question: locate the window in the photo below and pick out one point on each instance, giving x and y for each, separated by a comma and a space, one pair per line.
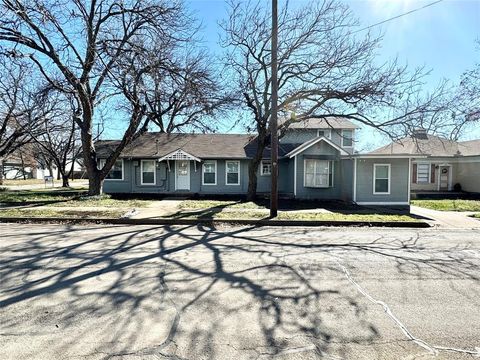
423, 173
209, 172
266, 168
232, 172
116, 172
324, 132
347, 138
318, 173
148, 172
381, 179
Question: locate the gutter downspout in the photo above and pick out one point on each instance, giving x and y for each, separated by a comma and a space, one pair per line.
355, 180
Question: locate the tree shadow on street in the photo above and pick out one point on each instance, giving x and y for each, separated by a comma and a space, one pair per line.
175, 291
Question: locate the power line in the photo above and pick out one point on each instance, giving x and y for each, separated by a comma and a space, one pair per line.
398, 16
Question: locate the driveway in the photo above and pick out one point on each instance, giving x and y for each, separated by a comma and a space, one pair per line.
150, 292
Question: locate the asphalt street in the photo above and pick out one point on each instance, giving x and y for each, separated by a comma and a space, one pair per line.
188, 292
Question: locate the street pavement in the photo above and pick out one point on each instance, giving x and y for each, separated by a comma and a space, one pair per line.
188, 292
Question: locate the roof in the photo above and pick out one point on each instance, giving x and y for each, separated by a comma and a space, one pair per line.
203, 146
324, 123
432, 146
312, 142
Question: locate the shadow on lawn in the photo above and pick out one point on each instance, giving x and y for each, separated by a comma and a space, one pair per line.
186, 288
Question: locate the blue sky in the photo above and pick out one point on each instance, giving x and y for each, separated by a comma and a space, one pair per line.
441, 36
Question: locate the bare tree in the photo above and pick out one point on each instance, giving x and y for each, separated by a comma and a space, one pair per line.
325, 70
185, 97
77, 45
20, 112
57, 142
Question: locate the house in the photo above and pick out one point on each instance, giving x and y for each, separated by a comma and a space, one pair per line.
438, 164
317, 160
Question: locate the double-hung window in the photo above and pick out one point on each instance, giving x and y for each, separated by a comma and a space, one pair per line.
116, 172
148, 172
423, 173
347, 138
266, 168
381, 179
209, 172
232, 169
318, 173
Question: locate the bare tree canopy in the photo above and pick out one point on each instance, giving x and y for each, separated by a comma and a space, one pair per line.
56, 142
77, 45
324, 70
21, 113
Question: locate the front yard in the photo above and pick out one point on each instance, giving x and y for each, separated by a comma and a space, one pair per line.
449, 205
59, 203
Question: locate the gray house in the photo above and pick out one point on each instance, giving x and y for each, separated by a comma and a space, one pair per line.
438, 164
316, 161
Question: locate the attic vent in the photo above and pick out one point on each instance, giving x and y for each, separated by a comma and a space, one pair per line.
420, 134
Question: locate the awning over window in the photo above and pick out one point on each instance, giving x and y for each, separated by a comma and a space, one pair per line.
179, 155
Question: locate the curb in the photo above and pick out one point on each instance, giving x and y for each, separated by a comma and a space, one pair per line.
405, 224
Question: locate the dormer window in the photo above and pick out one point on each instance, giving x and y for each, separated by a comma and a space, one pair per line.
324, 132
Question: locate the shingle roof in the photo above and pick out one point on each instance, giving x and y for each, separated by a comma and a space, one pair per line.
326, 123
432, 146
203, 146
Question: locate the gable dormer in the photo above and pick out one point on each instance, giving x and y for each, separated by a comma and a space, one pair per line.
339, 131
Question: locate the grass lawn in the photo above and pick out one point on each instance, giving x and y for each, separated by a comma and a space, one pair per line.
476, 216
449, 205
67, 198
65, 214
258, 214
208, 204
23, 196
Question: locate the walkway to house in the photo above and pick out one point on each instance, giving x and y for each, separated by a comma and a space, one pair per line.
447, 219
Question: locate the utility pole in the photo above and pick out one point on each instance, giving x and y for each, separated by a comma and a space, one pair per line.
274, 115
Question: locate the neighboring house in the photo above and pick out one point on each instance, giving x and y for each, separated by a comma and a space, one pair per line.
316, 161
437, 163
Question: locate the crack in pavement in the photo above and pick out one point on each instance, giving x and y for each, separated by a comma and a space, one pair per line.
433, 349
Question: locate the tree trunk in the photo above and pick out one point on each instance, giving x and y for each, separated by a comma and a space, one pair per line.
95, 185
253, 168
1, 172
252, 180
65, 182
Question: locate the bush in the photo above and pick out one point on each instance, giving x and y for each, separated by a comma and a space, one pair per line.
457, 187
3, 189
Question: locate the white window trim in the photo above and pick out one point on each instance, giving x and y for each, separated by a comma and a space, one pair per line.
429, 172
328, 174
101, 162
154, 172
261, 168
327, 131
203, 172
226, 173
343, 138
389, 178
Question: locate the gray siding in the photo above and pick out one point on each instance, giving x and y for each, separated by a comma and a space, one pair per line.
165, 180
299, 136
342, 180
398, 182
285, 178
468, 175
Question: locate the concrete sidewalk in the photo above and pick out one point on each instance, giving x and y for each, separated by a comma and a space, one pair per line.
447, 219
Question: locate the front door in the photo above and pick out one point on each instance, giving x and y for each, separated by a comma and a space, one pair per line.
444, 178
183, 174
